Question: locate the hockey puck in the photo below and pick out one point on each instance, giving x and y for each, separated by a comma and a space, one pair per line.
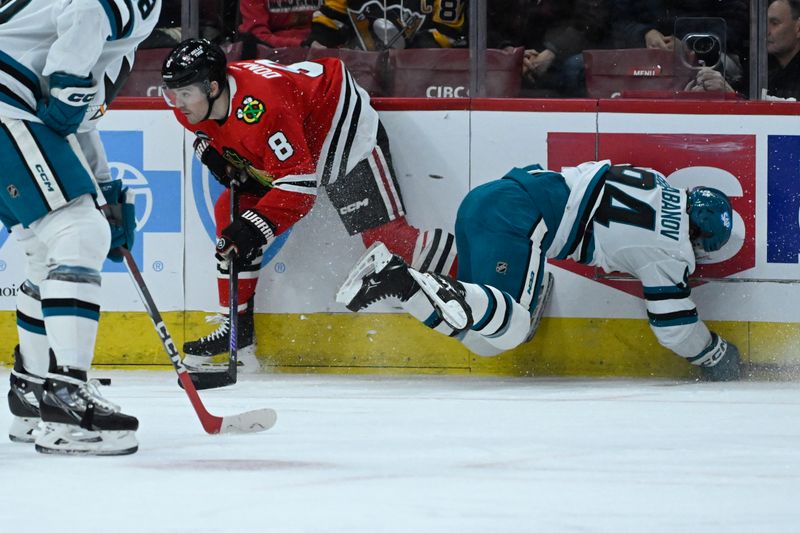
104, 381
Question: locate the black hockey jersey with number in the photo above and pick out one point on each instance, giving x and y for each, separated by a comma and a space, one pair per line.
379, 24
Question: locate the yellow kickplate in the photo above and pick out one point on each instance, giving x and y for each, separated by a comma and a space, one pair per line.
397, 343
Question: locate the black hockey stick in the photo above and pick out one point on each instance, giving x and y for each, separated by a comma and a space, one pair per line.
248, 422
233, 295
213, 379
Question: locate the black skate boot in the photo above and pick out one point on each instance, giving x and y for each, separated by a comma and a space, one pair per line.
200, 355
77, 420
23, 401
377, 275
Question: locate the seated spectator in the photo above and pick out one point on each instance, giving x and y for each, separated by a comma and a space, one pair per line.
277, 23
651, 24
783, 45
168, 32
381, 25
554, 33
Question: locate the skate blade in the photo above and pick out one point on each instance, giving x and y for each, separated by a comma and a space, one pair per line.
246, 359
65, 439
451, 312
23, 430
373, 260
541, 305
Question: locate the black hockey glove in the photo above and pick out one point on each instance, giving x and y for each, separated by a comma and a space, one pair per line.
209, 156
244, 238
223, 171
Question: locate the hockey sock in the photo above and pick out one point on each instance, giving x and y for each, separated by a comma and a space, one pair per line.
435, 251
398, 236
71, 310
499, 319
501, 322
33, 345
426, 251
248, 280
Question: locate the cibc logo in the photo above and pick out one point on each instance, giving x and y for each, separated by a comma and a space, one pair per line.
726, 162
446, 91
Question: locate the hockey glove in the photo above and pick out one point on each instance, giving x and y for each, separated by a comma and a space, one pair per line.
223, 171
719, 361
211, 158
245, 237
121, 217
70, 97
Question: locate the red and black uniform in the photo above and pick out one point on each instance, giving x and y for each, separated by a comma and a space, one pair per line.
278, 23
301, 126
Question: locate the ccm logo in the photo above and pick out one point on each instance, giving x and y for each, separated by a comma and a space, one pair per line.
354, 207
444, 91
44, 178
79, 98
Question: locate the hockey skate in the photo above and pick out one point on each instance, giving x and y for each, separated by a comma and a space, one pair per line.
447, 297
203, 354
726, 369
77, 420
541, 305
377, 275
23, 402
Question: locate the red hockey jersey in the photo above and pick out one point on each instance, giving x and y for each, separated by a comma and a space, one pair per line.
278, 23
298, 126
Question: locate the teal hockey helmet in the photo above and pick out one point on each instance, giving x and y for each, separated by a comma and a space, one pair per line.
710, 218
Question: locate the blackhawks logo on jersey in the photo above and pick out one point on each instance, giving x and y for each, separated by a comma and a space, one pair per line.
251, 110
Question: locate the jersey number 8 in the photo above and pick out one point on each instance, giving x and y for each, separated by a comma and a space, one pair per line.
281, 146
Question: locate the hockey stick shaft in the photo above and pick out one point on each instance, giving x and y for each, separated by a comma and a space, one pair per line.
233, 295
247, 422
211, 423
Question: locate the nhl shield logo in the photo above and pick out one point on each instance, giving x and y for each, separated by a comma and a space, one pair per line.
501, 267
13, 192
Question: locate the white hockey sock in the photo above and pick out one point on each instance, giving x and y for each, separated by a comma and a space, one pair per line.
71, 309
498, 318
434, 251
419, 307
33, 345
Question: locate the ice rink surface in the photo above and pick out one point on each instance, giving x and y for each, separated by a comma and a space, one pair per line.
428, 454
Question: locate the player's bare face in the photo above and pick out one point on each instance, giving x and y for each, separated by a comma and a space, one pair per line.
191, 100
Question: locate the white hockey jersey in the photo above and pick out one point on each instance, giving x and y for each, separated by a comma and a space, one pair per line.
79, 37
627, 219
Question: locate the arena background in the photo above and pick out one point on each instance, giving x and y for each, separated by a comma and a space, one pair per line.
441, 148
